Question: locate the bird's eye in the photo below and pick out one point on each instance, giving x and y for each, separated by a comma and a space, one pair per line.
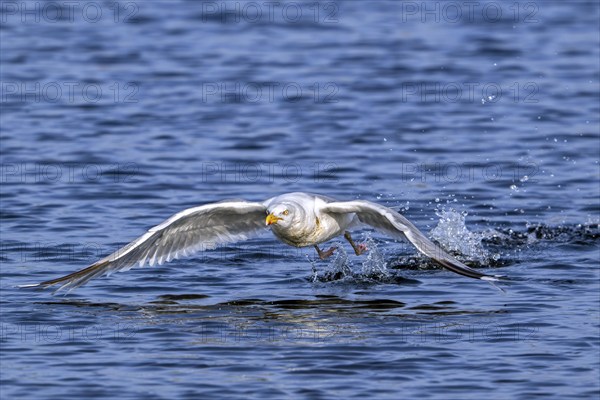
286, 212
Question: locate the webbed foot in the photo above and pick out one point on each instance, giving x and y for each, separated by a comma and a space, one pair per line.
325, 254
358, 248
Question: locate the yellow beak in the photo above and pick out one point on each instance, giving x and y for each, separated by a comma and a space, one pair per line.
272, 219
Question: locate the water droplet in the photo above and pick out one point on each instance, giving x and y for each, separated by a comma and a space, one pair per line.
451, 232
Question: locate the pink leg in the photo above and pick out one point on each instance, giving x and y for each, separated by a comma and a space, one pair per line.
325, 254
358, 248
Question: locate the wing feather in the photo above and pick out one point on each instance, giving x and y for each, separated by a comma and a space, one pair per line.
189, 231
396, 225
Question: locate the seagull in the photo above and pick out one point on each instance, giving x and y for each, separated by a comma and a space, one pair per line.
297, 219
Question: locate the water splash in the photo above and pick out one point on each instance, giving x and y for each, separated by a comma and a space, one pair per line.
580, 233
453, 235
340, 266
374, 265
337, 268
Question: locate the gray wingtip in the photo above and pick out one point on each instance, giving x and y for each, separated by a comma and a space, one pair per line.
42, 286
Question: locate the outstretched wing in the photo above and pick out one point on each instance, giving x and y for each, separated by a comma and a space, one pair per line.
189, 231
393, 223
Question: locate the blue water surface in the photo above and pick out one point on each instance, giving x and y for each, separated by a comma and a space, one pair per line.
479, 121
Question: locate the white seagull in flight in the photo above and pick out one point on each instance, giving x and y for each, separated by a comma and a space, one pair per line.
298, 219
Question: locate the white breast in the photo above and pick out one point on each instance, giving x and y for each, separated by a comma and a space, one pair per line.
314, 226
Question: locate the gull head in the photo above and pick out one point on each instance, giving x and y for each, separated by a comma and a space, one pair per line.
280, 215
